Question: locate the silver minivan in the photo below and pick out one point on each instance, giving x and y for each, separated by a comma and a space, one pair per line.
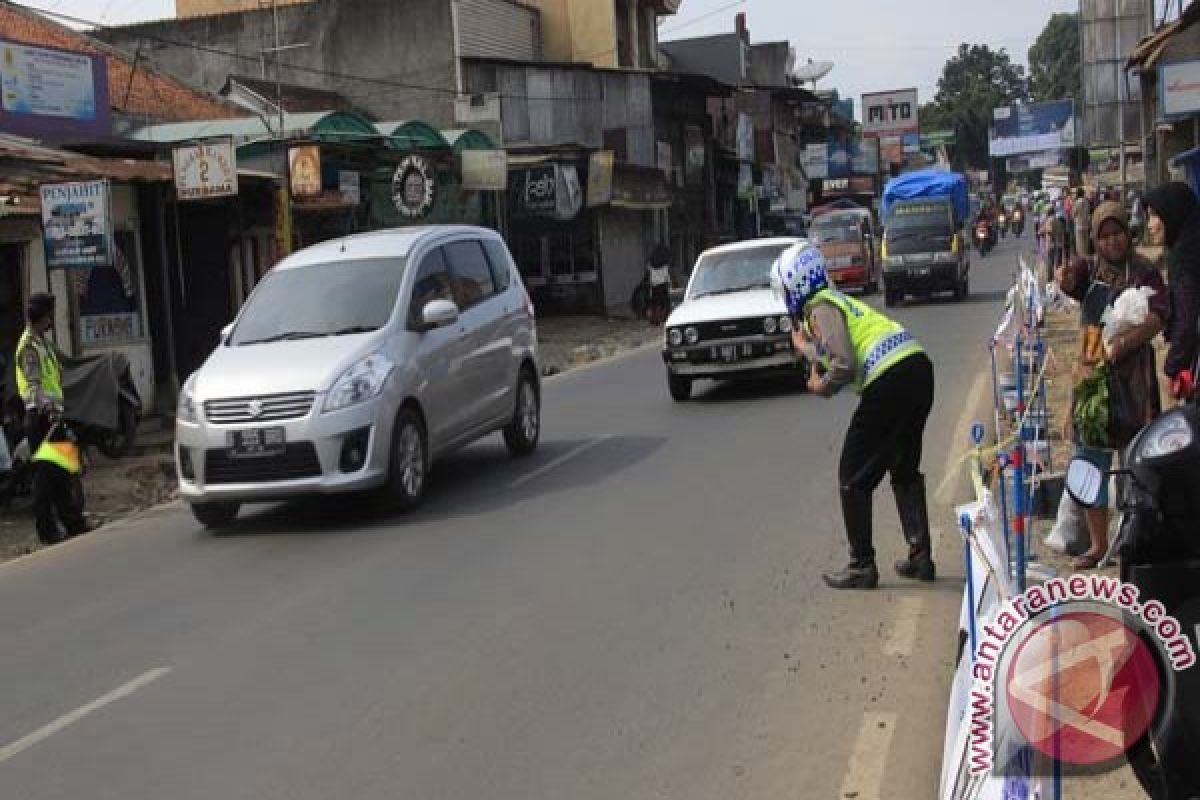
354, 364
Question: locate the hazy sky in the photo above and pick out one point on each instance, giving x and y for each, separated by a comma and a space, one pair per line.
875, 44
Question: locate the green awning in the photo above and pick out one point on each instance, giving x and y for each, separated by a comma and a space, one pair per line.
414, 135
468, 139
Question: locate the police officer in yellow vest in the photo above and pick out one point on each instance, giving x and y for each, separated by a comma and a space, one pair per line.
56, 466
851, 344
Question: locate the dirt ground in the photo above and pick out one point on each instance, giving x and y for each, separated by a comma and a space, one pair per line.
121, 488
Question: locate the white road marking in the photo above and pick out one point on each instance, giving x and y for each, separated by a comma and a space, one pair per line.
45, 732
558, 462
864, 773
903, 637
959, 440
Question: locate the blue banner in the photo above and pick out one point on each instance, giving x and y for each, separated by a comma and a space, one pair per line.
1031, 128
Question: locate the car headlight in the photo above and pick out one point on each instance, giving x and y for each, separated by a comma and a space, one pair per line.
188, 410
674, 337
770, 325
785, 324
691, 335
1166, 436
360, 383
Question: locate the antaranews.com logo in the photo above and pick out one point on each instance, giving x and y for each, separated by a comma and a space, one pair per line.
1079, 666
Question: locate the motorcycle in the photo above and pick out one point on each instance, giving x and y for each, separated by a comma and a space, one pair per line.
984, 238
102, 402
1160, 554
1002, 222
1018, 223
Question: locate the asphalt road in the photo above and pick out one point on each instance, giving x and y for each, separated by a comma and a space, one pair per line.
635, 612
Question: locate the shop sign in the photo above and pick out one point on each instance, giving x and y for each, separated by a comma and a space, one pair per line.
600, 178
536, 193
640, 189
485, 170
304, 170
107, 297
773, 189
77, 224
414, 187
205, 170
1032, 128
857, 184
350, 186
1180, 93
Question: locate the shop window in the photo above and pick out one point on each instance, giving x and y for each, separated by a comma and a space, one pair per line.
108, 298
470, 273
432, 283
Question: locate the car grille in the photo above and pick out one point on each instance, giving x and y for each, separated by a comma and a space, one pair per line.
268, 408
731, 328
298, 460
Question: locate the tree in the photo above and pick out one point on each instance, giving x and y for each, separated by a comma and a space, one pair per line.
1054, 65
975, 81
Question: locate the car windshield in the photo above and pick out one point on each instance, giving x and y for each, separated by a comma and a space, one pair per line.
919, 219
835, 231
734, 270
331, 299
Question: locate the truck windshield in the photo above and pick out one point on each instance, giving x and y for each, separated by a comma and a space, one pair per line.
916, 219
835, 230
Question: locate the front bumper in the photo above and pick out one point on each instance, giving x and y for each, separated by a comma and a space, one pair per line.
922, 278
312, 463
733, 358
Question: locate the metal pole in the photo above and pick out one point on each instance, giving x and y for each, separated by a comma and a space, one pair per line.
965, 522
278, 79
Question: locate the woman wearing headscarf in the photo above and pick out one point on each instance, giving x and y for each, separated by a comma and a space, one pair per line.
1096, 283
1174, 208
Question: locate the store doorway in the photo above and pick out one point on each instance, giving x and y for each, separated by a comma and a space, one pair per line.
12, 298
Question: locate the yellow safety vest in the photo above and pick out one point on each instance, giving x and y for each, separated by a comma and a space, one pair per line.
879, 342
51, 371
62, 454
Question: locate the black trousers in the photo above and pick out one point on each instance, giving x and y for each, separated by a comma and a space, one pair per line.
57, 494
888, 426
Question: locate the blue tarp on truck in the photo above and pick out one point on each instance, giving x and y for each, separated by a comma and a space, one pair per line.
929, 183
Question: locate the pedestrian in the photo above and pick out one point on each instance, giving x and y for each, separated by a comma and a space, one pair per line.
1082, 216
1097, 283
1174, 211
56, 466
851, 344
658, 281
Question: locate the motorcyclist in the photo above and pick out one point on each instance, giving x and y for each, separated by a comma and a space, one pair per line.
851, 344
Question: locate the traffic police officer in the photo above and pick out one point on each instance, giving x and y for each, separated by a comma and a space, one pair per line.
56, 464
850, 343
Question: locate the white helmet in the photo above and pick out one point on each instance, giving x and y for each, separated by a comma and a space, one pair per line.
798, 274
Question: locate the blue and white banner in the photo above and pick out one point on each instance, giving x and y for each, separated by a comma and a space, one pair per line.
1032, 127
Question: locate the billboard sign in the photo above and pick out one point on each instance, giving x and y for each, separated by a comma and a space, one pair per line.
890, 113
77, 224
1032, 127
852, 157
1180, 88
53, 94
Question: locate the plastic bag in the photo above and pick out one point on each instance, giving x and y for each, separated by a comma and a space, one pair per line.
1070, 532
1128, 311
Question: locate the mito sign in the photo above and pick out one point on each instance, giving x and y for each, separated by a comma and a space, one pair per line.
890, 113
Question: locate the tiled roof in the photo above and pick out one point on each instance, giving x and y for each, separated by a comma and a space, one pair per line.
150, 94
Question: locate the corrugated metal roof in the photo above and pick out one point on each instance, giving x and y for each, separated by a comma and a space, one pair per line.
243, 128
1150, 49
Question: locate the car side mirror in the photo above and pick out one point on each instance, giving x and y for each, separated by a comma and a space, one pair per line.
438, 314
1085, 481
228, 329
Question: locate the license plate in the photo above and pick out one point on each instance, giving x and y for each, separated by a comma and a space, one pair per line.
257, 442
921, 272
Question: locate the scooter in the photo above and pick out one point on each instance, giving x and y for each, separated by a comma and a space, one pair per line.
1018, 222
1002, 222
1159, 546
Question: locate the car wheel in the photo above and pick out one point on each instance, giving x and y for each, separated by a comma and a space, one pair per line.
680, 387
521, 435
215, 515
408, 462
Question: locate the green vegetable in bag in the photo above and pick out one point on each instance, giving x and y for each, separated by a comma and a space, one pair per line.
1090, 410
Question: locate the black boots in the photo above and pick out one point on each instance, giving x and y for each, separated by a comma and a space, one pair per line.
861, 572
914, 519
